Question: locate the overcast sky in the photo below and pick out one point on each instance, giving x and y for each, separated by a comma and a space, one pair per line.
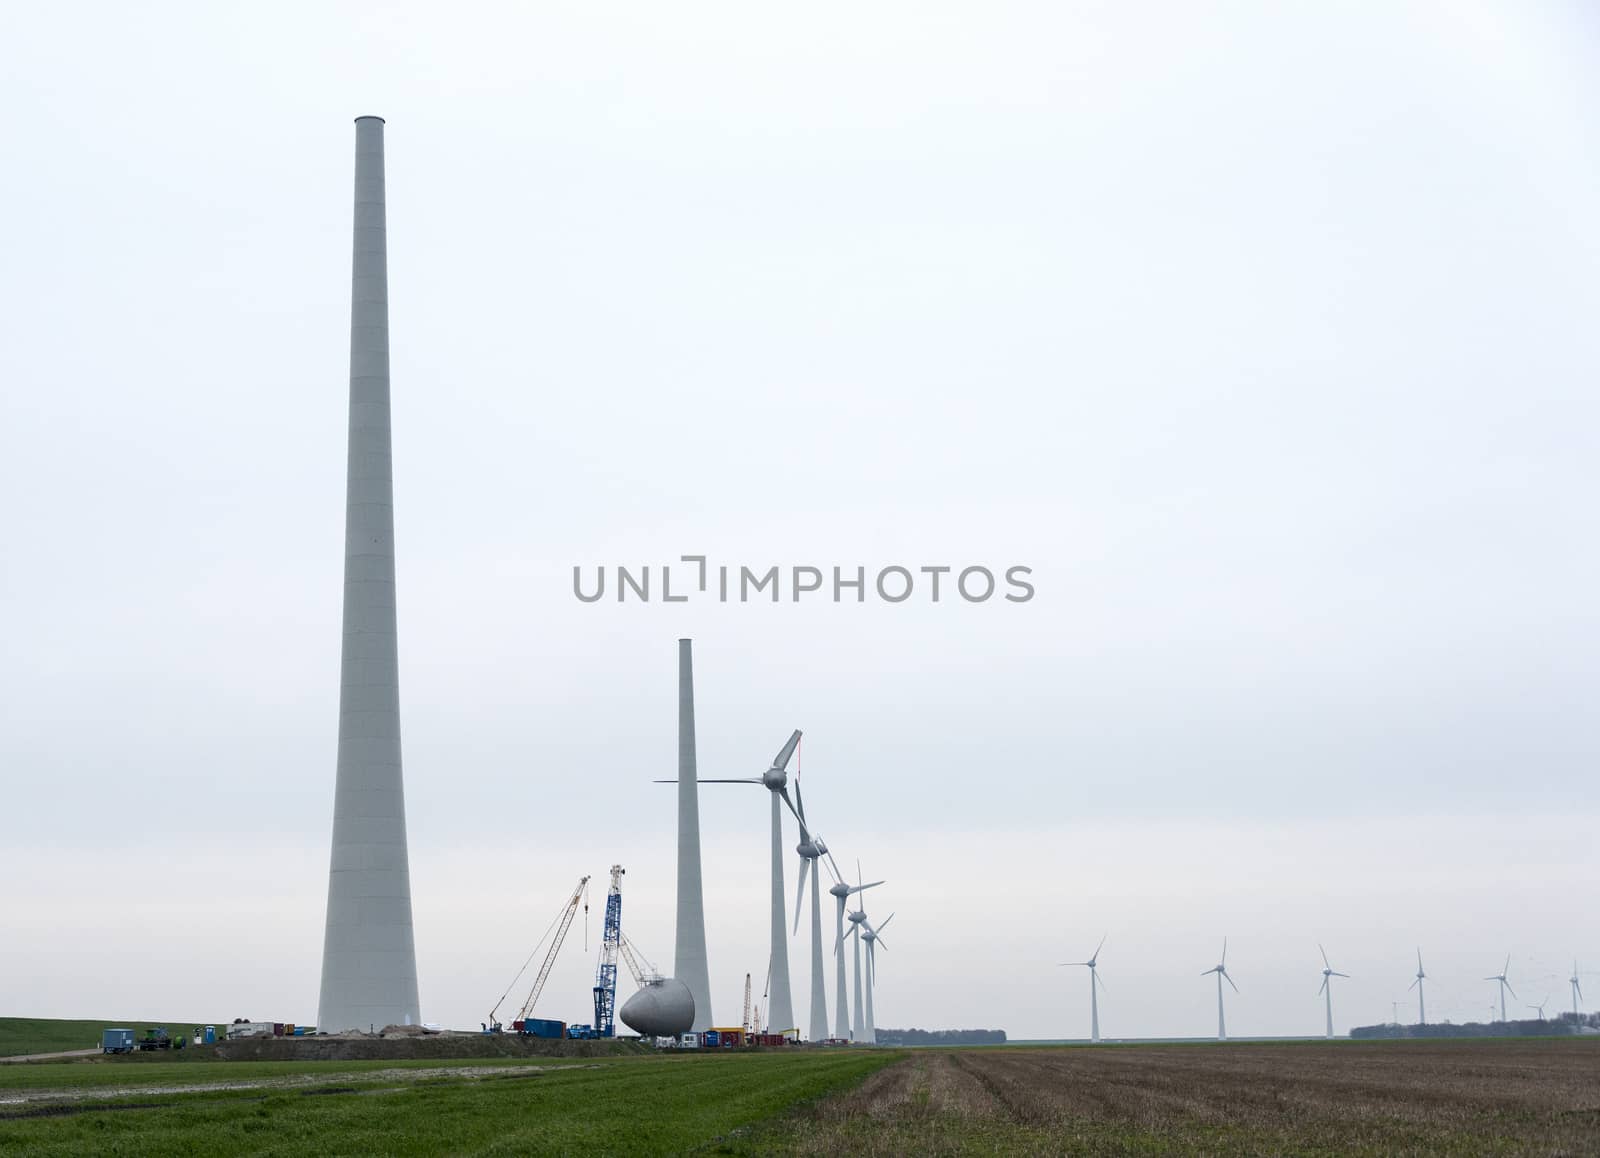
1265, 335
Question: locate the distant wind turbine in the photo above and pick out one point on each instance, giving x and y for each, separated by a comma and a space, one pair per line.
1540, 1006
1504, 985
1094, 980
1221, 970
1577, 990
1422, 1010
1328, 972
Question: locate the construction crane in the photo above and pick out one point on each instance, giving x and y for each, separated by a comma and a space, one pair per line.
749, 1025
559, 926
643, 974
605, 976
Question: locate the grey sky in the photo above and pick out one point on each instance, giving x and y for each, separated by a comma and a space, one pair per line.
1265, 336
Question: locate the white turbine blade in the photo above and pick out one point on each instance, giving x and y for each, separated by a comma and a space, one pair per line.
1507, 984
1094, 975
833, 864
1207, 973
1323, 986
1419, 959
781, 760
885, 924
737, 780
800, 894
1336, 973
1413, 985
1230, 980
1326, 964
1506, 968
800, 807
784, 792
864, 888
1224, 952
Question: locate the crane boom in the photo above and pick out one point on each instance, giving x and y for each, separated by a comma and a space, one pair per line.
749, 1025
644, 974
565, 923
605, 976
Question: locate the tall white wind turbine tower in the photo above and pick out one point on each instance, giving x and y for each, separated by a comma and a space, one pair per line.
689, 963
1422, 1010
780, 1009
1504, 985
873, 939
1577, 990
841, 892
1094, 980
369, 956
1221, 970
812, 849
1328, 973
858, 1028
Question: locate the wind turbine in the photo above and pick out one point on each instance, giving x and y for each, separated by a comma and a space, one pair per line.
1221, 970
781, 1011
1094, 980
1540, 1006
872, 938
1422, 1012
1577, 990
1504, 985
1328, 972
840, 891
812, 849
857, 917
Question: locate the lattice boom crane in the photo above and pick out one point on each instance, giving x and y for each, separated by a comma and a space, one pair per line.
605, 977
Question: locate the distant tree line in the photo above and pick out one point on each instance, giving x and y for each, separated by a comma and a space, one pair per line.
941, 1036
1566, 1023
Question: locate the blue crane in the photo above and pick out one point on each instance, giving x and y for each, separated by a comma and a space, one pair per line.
605, 976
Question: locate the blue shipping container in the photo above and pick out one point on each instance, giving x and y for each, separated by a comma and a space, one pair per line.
117, 1041
544, 1027
713, 1038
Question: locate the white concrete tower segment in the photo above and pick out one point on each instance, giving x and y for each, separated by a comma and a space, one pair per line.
841, 1007
819, 983
858, 1029
689, 963
781, 1015
369, 958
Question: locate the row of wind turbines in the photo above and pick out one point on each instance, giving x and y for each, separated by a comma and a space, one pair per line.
1325, 991
850, 1023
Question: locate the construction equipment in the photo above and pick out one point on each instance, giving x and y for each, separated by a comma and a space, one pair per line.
644, 973
558, 927
605, 976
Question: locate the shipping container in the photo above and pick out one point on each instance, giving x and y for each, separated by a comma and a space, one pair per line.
117, 1041
711, 1038
544, 1027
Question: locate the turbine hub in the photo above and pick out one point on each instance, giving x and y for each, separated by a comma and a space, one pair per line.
857, 917
808, 849
839, 890
775, 778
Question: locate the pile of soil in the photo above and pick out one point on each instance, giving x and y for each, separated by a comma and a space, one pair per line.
437, 1046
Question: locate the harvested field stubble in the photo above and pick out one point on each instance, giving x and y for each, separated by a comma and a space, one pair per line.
1511, 1097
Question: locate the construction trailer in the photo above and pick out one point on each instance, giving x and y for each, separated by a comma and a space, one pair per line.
117, 1041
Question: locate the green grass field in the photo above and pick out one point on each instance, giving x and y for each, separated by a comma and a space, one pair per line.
24, 1035
639, 1105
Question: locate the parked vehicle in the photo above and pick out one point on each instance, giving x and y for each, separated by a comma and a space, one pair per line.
117, 1041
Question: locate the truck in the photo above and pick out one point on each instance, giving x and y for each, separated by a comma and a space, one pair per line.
156, 1037
581, 1032
117, 1041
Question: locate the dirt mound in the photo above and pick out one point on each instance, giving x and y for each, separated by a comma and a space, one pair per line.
436, 1046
